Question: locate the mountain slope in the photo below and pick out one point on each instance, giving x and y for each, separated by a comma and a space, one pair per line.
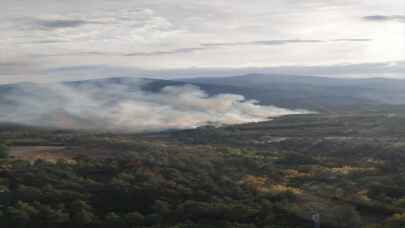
288, 91
313, 92
129, 104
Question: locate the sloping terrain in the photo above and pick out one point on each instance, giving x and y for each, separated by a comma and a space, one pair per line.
317, 93
349, 168
288, 91
345, 163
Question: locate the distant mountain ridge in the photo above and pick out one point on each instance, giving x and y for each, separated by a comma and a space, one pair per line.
320, 93
288, 91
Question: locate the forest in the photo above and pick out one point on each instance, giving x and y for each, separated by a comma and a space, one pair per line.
348, 168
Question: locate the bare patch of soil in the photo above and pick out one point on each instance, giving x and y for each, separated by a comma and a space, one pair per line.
48, 153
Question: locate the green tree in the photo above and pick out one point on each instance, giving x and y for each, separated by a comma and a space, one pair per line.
397, 220
134, 219
347, 216
22, 214
82, 213
112, 219
3, 151
50, 215
152, 219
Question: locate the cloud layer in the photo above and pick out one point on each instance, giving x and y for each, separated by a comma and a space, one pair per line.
384, 18
124, 106
280, 42
179, 34
57, 23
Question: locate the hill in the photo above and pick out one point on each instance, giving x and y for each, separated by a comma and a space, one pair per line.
129, 104
288, 91
316, 93
349, 168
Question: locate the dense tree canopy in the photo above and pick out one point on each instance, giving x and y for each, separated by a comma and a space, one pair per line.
270, 175
3, 151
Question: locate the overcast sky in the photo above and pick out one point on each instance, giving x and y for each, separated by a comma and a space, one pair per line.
47, 40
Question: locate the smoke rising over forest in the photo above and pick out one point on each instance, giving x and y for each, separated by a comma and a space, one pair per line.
127, 107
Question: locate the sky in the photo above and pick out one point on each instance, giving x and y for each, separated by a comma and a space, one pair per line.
48, 40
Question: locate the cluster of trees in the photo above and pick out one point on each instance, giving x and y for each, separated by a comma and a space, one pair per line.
270, 175
3, 151
131, 194
146, 193
196, 187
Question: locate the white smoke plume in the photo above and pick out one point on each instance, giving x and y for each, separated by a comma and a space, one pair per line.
126, 107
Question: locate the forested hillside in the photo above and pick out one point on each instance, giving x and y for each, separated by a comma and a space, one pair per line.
348, 168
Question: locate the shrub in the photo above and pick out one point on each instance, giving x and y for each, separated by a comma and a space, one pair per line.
3, 151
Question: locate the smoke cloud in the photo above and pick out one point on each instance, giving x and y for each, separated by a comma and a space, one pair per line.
128, 107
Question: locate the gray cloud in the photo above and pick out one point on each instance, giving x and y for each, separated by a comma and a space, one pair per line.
164, 35
82, 53
59, 23
383, 18
48, 41
50, 24
152, 53
17, 67
203, 47
363, 70
281, 42
353, 40
260, 42
16, 72
169, 52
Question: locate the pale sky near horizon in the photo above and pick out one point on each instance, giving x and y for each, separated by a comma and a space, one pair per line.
48, 40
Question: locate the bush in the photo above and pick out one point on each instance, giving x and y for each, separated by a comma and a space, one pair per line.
3, 151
